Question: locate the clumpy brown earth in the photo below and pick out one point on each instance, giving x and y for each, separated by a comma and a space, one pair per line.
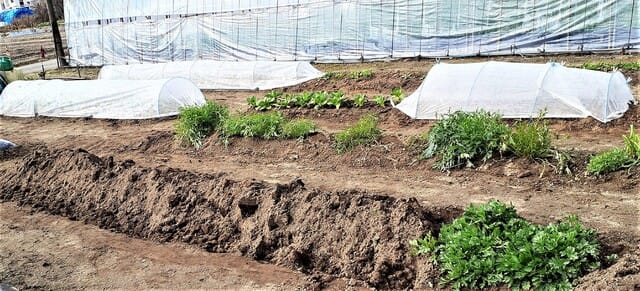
333, 221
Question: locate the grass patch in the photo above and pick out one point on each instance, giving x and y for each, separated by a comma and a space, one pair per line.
609, 161
364, 132
617, 158
530, 139
462, 138
269, 125
260, 125
298, 129
196, 123
15, 75
490, 245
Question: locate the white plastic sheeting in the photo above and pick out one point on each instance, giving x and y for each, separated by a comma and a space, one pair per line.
219, 75
156, 31
519, 91
99, 98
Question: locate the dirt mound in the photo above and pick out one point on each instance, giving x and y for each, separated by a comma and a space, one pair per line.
348, 234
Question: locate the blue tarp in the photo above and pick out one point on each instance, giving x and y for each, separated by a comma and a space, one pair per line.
8, 16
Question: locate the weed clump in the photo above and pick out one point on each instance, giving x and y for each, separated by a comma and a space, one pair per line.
530, 139
490, 245
269, 125
197, 122
617, 158
609, 161
364, 132
462, 138
298, 129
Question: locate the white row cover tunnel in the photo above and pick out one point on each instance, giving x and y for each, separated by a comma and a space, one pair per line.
519, 91
108, 99
219, 75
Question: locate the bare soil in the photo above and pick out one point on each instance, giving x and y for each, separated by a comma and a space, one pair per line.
336, 221
25, 50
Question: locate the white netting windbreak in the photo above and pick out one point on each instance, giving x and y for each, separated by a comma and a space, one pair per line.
156, 31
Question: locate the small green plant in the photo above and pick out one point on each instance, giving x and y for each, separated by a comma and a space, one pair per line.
380, 100
319, 99
530, 139
364, 132
336, 99
298, 129
462, 138
303, 99
359, 100
617, 158
333, 75
270, 101
361, 74
632, 143
196, 123
397, 95
490, 245
253, 101
285, 101
610, 161
260, 125
268, 125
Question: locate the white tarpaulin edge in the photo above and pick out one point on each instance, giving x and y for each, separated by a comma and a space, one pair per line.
519, 91
107, 99
219, 75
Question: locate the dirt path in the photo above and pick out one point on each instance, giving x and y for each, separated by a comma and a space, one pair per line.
42, 251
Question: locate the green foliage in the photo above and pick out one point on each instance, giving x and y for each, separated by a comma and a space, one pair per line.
333, 75
617, 158
397, 95
632, 143
359, 100
268, 125
610, 161
380, 100
319, 99
196, 123
490, 245
298, 129
462, 138
364, 132
253, 101
336, 99
364, 74
303, 99
602, 66
260, 125
530, 139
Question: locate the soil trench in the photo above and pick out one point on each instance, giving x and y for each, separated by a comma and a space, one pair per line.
329, 235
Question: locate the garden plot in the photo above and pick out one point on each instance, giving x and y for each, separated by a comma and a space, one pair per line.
385, 187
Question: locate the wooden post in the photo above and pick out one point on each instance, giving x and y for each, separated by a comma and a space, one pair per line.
57, 39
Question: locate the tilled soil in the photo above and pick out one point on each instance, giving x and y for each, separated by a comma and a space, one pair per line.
349, 234
300, 205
